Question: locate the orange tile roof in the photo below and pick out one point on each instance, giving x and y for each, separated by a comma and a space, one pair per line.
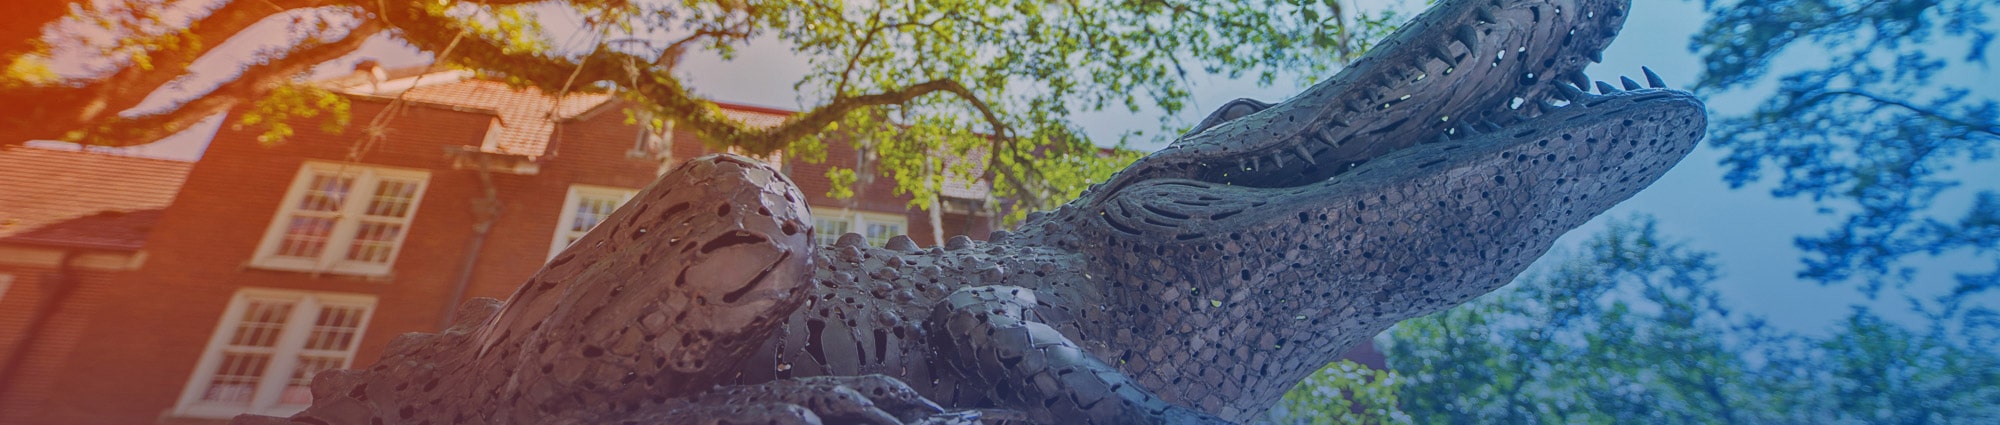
50, 196
527, 117
755, 116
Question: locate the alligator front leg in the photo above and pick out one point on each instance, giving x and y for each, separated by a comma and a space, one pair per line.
990, 336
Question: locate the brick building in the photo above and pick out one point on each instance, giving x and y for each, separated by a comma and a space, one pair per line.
276, 261
70, 224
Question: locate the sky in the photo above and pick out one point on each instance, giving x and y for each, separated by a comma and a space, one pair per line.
1750, 231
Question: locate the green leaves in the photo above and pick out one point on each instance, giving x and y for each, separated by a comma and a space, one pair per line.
283, 105
1025, 67
1861, 123
1342, 393
1631, 330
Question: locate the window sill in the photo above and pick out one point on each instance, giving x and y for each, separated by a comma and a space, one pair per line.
204, 414
375, 274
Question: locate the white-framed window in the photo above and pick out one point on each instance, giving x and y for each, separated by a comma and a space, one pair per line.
267, 348
583, 208
830, 224
342, 218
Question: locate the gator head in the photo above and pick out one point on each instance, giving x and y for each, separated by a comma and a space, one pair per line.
1432, 170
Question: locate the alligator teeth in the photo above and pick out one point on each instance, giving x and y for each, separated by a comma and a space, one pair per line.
1278, 161
1491, 126
1242, 164
1300, 150
1569, 92
1441, 53
1578, 78
1606, 88
1468, 129
1442, 137
1545, 105
1469, 37
1597, 57
1653, 79
1485, 16
1628, 83
1325, 135
1410, 73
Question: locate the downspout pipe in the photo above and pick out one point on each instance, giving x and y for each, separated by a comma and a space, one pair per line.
487, 210
60, 287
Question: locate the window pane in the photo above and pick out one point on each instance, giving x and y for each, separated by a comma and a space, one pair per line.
335, 328
326, 192
826, 231
298, 390
305, 236
374, 242
591, 210
262, 322
236, 378
392, 198
879, 233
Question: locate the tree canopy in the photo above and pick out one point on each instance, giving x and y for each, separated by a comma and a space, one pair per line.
1874, 130
1631, 329
995, 79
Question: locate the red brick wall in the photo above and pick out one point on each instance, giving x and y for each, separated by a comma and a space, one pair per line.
37, 373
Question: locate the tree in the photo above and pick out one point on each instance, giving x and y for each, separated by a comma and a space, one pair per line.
1630, 331
1344, 392
1869, 131
990, 78
1625, 332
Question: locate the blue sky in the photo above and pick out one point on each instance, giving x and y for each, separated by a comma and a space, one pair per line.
1750, 231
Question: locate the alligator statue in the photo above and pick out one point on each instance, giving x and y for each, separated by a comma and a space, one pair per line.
1196, 286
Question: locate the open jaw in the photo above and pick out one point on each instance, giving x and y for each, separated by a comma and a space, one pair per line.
1463, 66
1571, 161
1310, 160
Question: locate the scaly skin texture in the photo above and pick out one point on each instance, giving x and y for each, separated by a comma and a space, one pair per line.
1196, 286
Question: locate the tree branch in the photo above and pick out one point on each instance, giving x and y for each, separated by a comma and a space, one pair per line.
49, 119
1987, 128
840, 89
131, 84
